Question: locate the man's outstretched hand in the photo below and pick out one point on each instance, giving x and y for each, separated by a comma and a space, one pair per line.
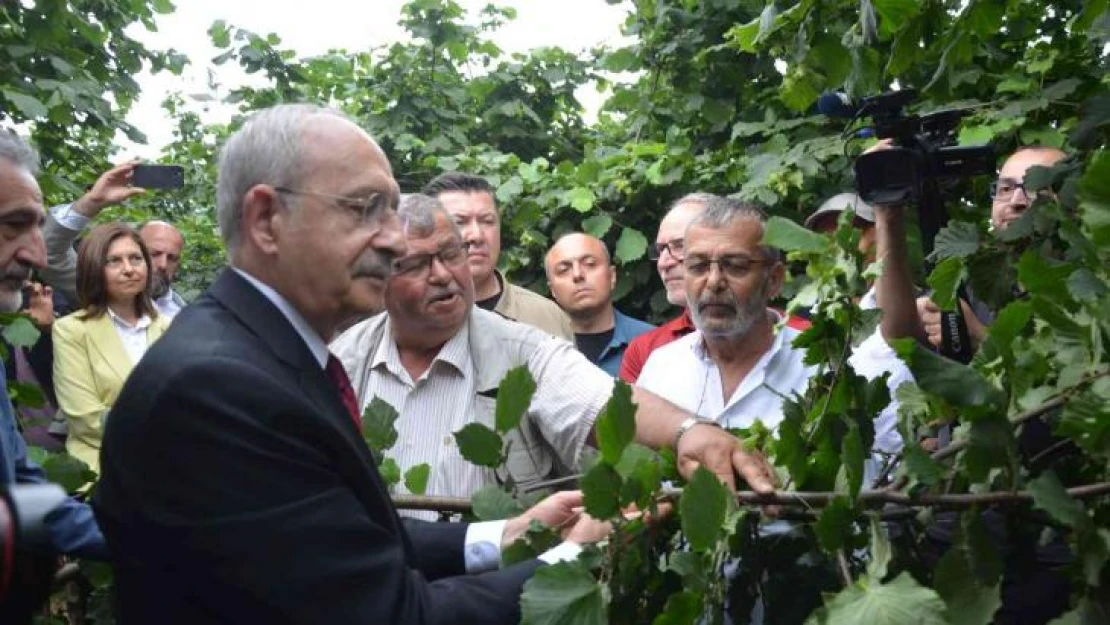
725, 455
111, 188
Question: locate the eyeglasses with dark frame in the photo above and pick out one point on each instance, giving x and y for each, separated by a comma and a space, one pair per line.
368, 209
674, 246
733, 267
1004, 189
418, 265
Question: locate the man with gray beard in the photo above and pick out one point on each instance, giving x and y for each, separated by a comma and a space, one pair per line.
73, 529
735, 369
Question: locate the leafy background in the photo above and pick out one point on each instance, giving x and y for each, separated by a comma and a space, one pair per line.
711, 95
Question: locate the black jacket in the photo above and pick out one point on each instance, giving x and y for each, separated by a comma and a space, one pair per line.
236, 489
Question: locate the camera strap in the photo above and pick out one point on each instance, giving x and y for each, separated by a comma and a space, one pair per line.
955, 339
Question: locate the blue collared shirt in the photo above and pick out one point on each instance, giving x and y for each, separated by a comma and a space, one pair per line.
625, 329
72, 526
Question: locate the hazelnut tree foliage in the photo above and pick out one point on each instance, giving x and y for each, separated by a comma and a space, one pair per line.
718, 95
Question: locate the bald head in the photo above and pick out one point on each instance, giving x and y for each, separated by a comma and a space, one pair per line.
581, 277
165, 244
1011, 200
672, 229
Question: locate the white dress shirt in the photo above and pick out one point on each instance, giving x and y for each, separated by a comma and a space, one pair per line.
482, 545
133, 337
683, 373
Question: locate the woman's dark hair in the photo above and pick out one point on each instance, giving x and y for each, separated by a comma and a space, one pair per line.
92, 256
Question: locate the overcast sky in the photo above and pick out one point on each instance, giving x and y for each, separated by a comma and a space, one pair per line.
315, 26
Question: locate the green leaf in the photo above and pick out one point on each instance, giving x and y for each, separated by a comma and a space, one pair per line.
510, 189
1086, 420
162, 6
1084, 286
631, 245
901, 601
416, 478
514, 395
956, 383
597, 225
30, 106
788, 236
563, 594
744, 35
490, 503
21, 332
921, 466
968, 601
616, 425
894, 13
702, 509
601, 487
581, 199
1041, 277
26, 394
880, 551
390, 472
1051, 496
69, 472
958, 238
480, 445
991, 445
682, 608
852, 457
834, 524
219, 34
945, 278
378, 429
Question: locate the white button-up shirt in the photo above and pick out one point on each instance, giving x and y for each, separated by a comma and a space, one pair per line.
684, 374
133, 337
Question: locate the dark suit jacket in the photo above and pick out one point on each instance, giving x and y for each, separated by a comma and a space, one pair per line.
236, 489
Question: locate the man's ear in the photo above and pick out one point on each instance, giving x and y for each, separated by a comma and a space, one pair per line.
775, 279
264, 218
612, 278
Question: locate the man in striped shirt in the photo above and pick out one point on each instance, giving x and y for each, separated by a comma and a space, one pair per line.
438, 360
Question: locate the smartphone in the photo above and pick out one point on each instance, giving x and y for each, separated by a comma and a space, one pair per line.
158, 176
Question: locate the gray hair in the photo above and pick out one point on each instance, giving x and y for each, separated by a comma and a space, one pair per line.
18, 152
418, 214
722, 212
266, 150
698, 197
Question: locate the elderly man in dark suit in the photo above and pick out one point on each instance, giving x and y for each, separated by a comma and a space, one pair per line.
235, 485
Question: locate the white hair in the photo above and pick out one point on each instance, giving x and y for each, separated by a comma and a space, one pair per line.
266, 150
18, 152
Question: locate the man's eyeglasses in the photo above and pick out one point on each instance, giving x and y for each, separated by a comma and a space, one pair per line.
674, 246
418, 265
734, 267
368, 209
1005, 189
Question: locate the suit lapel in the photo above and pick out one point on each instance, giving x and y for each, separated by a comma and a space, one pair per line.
105, 340
264, 319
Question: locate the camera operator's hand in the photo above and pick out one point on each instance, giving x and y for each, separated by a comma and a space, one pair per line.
929, 313
111, 188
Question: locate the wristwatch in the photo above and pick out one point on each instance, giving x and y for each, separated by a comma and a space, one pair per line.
689, 423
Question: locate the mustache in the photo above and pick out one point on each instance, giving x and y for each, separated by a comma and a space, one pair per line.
442, 292
374, 265
16, 272
718, 300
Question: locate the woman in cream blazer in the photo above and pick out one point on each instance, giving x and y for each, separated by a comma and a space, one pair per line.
96, 347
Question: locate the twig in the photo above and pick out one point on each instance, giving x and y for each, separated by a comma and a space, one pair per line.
845, 571
791, 500
956, 447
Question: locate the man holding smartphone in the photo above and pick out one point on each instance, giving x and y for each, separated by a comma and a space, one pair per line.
65, 222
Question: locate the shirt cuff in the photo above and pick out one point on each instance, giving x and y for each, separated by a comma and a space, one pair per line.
66, 216
482, 546
563, 552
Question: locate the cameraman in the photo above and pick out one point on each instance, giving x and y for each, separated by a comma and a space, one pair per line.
1010, 201
1035, 588
72, 526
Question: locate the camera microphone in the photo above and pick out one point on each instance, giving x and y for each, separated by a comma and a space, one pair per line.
837, 104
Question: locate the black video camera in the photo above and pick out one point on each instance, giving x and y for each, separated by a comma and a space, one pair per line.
27, 556
924, 150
